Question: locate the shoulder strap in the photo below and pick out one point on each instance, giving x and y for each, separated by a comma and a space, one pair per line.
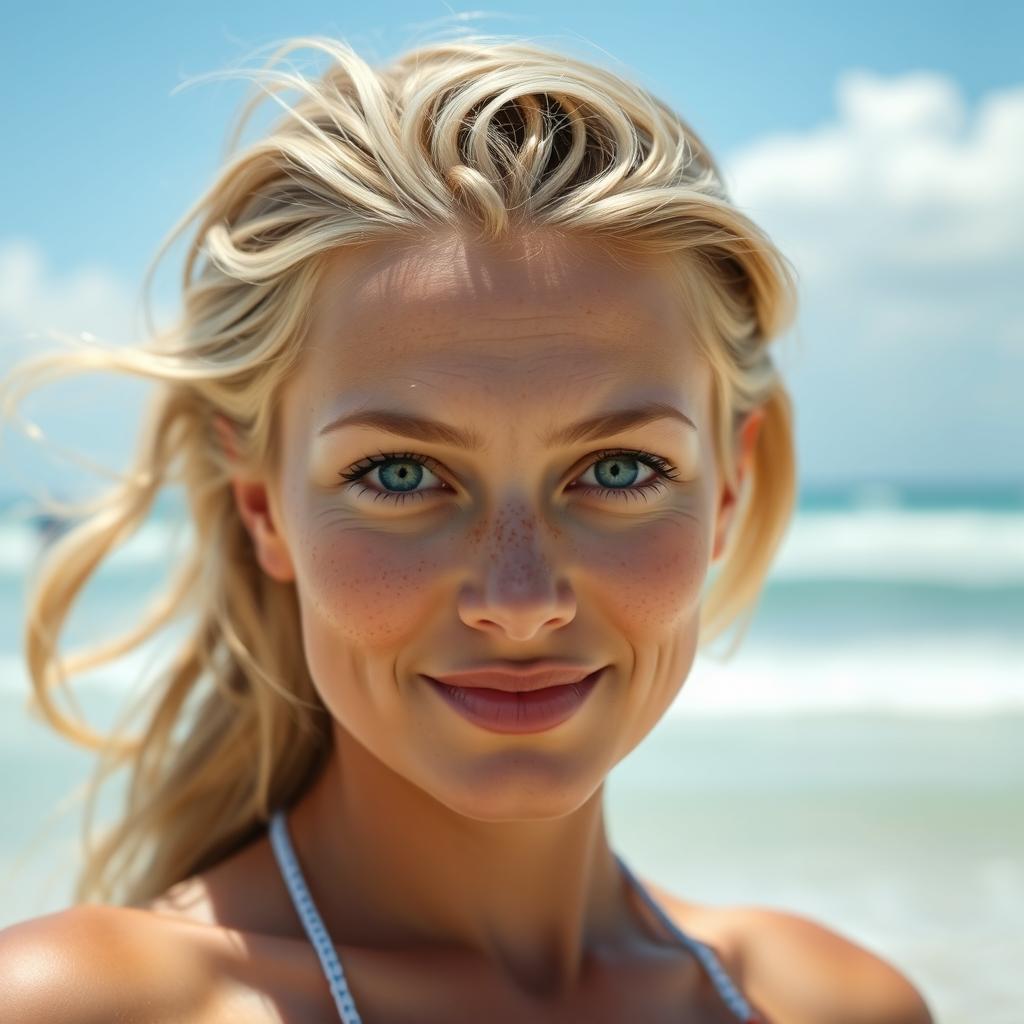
731, 995
310, 916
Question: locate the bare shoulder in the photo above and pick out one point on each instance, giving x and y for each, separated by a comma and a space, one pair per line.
815, 973
797, 970
95, 963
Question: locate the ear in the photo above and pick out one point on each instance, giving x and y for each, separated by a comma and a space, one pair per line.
729, 498
253, 500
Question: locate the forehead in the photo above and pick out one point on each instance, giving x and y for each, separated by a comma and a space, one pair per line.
479, 318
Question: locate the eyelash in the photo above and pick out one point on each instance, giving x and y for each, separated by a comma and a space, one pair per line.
664, 469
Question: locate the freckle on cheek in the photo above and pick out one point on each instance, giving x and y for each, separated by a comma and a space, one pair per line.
655, 583
367, 594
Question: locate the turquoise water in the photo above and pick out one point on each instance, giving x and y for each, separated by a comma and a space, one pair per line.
859, 761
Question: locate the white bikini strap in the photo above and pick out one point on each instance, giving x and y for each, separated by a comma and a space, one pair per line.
731, 995
311, 919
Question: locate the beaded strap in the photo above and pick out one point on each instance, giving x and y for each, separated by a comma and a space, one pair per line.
731, 995
311, 919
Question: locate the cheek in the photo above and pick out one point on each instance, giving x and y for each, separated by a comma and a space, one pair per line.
652, 574
366, 589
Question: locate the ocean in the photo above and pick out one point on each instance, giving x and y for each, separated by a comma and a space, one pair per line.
860, 760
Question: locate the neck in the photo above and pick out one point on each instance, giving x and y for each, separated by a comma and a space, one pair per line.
390, 866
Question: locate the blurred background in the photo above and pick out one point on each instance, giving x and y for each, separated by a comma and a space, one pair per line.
860, 759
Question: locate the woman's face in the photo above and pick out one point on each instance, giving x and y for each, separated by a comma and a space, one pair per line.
522, 545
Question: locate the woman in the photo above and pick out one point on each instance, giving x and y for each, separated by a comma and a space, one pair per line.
470, 390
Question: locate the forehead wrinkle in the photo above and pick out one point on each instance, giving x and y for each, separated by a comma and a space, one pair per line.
432, 360
498, 336
488, 374
440, 305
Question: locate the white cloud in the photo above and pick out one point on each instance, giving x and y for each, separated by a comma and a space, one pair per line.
905, 219
35, 300
905, 143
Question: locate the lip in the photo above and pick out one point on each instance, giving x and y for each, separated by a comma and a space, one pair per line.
518, 677
536, 709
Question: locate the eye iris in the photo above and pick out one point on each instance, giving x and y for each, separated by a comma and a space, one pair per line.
617, 475
402, 475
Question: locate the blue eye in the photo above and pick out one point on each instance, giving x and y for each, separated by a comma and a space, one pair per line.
404, 471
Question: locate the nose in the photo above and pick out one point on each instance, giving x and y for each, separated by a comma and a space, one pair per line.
518, 591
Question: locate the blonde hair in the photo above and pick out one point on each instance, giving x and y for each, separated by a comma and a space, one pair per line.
480, 134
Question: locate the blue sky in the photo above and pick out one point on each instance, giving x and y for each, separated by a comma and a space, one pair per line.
882, 146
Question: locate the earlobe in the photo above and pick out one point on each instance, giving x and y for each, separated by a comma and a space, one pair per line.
252, 500
254, 506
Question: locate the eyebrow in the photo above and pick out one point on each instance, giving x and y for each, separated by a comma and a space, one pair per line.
422, 428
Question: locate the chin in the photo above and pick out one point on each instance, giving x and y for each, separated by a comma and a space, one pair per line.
519, 786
